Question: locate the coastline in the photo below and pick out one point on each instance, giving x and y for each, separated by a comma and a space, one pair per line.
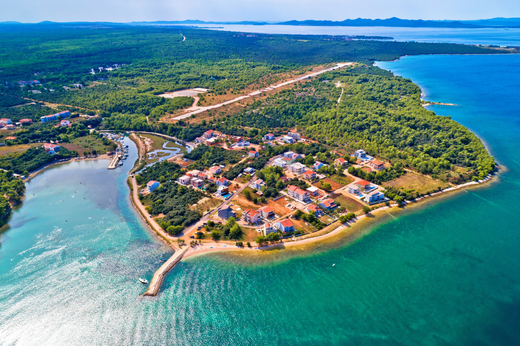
353, 228
52, 164
209, 246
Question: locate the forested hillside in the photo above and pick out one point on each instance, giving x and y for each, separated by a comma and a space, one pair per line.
150, 60
378, 112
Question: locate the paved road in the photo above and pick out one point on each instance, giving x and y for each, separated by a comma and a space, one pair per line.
258, 92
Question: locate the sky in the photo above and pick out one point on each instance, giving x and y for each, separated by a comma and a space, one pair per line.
31, 11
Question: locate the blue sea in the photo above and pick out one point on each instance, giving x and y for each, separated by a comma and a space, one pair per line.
445, 272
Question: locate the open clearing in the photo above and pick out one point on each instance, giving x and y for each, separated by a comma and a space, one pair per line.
17, 148
188, 92
343, 180
88, 143
351, 204
332, 183
413, 182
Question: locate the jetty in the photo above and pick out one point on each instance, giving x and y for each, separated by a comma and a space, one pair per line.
113, 163
158, 277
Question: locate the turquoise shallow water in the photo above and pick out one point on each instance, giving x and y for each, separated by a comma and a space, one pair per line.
444, 273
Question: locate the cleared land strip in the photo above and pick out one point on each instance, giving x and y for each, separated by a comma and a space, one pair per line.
258, 92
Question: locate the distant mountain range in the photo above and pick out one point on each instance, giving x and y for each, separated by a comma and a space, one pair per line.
389, 22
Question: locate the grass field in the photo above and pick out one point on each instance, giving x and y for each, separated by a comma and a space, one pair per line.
206, 204
303, 226
343, 180
350, 203
157, 142
332, 183
412, 182
87, 143
17, 148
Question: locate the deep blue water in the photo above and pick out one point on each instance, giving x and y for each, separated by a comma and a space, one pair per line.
443, 273
505, 37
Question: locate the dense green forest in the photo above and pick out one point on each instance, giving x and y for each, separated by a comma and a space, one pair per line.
206, 157
151, 60
32, 159
11, 193
171, 199
378, 112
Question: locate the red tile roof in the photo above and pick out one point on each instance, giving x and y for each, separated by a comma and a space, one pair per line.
287, 223
363, 183
266, 209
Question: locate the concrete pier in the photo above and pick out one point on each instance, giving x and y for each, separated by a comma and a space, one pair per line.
113, 162
158, 277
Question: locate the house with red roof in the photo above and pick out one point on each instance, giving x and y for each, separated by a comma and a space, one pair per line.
297, 193
222, 181
309, 175
152, 185
340, 162
284, 179
26, 121
268, 137
377, 165
328, 204
268, 228
284, 226
208, 134
363, 184
215, 170
251, 216
267, 212
258, 184
198, 183
253, 154
314, 209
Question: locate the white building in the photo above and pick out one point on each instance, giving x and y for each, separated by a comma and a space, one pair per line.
353, 189
360, 154
297, 168
288, 139
375, 196
184, 180
243, 144
313, 190
268, 228
280, 163
258, 184
294, 135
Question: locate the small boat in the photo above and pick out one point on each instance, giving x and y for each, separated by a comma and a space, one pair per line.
143, 281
